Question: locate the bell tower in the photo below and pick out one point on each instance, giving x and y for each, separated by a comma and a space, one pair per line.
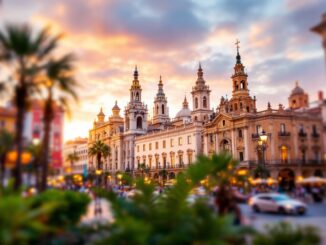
136, 110
200, 98
160, 110
241, 101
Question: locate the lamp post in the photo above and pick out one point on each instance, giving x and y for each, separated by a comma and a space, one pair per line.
262, 144
98, 207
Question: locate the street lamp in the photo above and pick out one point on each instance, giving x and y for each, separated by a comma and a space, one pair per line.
262, 144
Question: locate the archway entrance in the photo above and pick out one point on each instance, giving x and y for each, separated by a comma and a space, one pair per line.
286, 179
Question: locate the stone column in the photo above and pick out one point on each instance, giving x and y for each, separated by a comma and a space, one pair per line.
246, 144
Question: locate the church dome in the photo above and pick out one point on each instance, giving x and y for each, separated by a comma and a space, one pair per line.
184, 112
297, 89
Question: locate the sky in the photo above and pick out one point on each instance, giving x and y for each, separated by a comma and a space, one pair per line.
169, 38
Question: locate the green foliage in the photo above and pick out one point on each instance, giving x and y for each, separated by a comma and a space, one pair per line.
31, 220
99, 150
169, 218
286, 234
70, 207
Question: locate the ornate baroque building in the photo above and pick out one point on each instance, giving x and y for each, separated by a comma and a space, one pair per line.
295, 135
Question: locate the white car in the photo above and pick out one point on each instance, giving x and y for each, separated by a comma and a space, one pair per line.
274, 202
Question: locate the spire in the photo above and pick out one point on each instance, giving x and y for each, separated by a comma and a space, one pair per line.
101, 113
136, 73
200, 71
160, 87
238, 55
185, 103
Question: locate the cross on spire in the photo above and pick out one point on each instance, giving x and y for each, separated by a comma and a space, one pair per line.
238, 55
237, 42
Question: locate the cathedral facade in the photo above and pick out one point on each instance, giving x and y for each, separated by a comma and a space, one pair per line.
295, 143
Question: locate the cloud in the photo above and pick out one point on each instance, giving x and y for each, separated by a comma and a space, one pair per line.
168, 38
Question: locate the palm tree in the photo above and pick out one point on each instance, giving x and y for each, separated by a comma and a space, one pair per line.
35, 149
99, 150
58, 76
72, 158
6, 144
25, 53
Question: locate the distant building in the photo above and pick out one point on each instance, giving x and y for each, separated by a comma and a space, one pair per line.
33, 128
295, 145
8, 119
79, 147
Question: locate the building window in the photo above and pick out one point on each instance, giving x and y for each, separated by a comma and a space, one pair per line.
282, 128
137, 96
258, 129
172, 160
150, 146
189, 158
240, 133
314, 129
156, 145
211, 138
242, 84
164, 144
180, 159
157, 112
139, 122
235, 106
223, 122
204, 102
284, 154
189, 139
137, 148
241, 158
171, 143
144, 147
180, 140
150, 162
162, 109
196, 102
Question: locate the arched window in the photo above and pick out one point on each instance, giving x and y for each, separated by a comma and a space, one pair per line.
237, 87
137, 96
196, 103
195, 118
242, 85
204, 102
162, 109
247, 108
225, 146
157, 110
139, 123
240, 105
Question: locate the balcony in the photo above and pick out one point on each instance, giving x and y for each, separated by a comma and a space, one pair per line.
315, 135
302, 134
284, 134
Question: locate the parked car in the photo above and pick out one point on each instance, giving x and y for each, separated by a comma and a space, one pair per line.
274, 202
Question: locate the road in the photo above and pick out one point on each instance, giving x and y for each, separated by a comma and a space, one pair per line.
315, 216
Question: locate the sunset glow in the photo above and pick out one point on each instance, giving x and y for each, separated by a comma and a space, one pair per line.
169, 38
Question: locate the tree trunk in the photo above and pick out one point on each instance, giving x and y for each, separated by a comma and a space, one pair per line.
2, 175
48, 116
98, 161
21, 94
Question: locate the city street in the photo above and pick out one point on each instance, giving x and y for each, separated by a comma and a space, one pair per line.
315, 216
